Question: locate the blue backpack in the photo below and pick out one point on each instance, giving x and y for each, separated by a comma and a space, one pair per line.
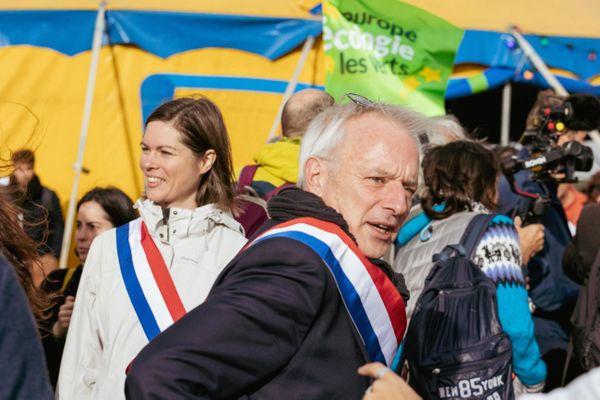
455, 347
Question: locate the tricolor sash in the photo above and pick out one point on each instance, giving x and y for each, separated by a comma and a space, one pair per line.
373, 302
147, 279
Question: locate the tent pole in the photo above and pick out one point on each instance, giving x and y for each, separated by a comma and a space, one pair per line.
87, 110
505, 127
308, 44
538, 63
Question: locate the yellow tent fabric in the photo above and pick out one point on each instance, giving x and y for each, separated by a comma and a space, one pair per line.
577, 18
42, 95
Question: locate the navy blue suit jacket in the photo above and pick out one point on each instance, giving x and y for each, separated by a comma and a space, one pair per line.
273, 327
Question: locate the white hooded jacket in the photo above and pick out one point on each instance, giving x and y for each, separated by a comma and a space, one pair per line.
105, 334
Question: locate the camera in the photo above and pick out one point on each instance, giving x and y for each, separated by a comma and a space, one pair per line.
548, 160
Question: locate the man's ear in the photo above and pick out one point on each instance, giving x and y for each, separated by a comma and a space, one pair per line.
315, 176
206, 162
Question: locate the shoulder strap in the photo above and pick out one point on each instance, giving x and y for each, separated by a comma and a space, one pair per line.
474, 232
276, 191
246, 176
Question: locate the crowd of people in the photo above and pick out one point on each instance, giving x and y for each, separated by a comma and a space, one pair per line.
299, 276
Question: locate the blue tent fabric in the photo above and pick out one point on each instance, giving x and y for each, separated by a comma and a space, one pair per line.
506, 61
159, 88
68, 32
167, 33
161, 33
494, 49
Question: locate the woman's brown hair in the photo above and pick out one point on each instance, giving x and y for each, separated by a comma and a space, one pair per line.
458, 174
21, 252
202, 128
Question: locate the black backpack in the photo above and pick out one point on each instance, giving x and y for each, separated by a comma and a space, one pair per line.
455, 347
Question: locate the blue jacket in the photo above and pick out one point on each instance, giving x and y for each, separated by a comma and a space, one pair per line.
552, 292
273, 327
22, 365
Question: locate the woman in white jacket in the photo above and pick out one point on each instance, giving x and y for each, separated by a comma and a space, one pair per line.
143, 276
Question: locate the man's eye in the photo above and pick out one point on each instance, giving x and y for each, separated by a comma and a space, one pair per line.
377, 179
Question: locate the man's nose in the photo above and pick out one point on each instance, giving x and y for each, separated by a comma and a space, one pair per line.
397, 199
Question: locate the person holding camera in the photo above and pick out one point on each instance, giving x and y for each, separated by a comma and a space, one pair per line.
552, 124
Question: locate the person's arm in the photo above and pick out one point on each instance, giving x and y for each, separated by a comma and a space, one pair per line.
531, 238
249, 327
22, 366
83, 347
502, 263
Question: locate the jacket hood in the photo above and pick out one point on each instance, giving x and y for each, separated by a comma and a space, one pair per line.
281, 158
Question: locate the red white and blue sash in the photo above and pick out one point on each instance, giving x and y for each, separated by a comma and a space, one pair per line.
147, 279
373, 302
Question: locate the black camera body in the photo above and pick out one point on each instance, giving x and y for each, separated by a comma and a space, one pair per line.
548, 161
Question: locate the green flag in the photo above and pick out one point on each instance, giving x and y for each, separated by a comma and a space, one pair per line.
388, 51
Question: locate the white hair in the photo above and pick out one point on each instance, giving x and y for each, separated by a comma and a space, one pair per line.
328, 129
445, 129
442, 130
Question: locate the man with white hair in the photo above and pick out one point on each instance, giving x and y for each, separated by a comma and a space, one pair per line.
307, 301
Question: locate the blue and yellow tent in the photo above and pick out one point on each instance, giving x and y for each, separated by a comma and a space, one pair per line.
241, 54
565, 34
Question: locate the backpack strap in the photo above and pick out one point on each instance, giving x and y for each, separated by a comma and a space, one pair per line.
278, 189
246, 177
474, 232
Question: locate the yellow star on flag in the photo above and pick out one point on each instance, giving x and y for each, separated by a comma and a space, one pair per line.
431, 75
412, 83
331, 11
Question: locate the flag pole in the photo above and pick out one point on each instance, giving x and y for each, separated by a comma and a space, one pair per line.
291, 86
87, 110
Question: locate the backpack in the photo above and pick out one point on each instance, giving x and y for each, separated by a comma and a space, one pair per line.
247, 176
253, 206
585, 321
455, 347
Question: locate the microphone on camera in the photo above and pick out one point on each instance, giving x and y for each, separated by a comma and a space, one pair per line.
585, 112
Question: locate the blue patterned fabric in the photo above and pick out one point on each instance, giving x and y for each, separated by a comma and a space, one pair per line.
499, 256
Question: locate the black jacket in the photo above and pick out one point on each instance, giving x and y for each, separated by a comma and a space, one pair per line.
42, 217
273, 327
53, 348
580, 254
